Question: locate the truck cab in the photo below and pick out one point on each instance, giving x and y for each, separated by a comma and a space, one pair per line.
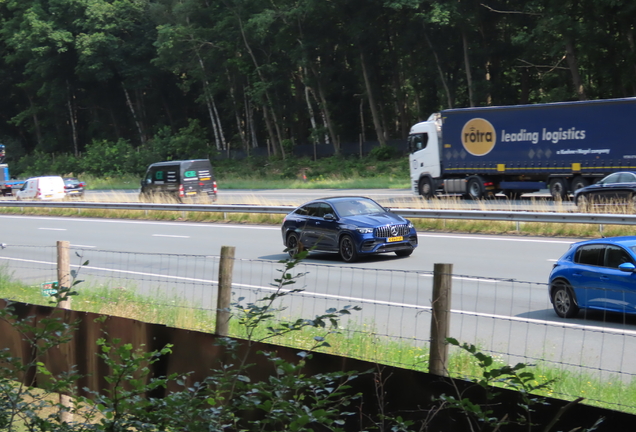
424, 156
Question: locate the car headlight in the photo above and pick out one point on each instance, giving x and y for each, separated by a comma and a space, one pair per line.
410, 225
364, 230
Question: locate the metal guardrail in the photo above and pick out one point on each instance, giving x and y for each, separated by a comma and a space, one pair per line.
510, 216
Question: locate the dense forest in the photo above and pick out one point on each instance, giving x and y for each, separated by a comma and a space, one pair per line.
87, 81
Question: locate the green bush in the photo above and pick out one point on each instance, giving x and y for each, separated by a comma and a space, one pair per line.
383, 153
104, 158
189, 142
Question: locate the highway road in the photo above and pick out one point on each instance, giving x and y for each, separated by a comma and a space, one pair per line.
499, 293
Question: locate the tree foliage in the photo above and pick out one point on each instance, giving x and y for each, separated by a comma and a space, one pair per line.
255, 73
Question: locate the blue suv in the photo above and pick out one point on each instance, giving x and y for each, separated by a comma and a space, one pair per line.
595, 274
350, 226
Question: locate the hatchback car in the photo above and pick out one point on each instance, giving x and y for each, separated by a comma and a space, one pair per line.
73, 187
615, 189
351, 226
595, 274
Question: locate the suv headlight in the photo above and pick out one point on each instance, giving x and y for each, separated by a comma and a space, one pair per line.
364, 230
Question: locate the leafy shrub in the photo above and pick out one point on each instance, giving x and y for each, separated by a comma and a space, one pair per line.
104, 158
383, 153
189, 142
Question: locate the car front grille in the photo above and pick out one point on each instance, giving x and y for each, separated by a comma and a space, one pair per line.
392, 231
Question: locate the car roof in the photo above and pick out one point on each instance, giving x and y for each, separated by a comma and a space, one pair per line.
627, 241
44, 177
336, 198
178, 162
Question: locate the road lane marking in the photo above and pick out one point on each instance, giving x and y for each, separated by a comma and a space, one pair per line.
53, 229
171, 236
356, 299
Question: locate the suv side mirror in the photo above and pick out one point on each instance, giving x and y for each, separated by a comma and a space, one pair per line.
627, 267
329, 216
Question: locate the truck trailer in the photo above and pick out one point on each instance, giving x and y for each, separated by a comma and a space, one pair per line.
562, 146
7, 184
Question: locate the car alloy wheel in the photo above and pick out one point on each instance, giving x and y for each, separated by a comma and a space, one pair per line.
563, 300
348, 251
292, 245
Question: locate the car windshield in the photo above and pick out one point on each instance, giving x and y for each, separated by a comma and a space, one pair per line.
352, 207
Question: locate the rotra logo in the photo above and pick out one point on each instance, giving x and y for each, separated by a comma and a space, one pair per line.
478, 137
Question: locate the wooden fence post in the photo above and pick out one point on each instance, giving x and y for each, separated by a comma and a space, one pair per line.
224, 296
64, 281
63, 272
440, 319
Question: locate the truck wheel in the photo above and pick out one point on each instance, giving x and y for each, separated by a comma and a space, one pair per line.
558, 188
426, 187
579, 182
475, 188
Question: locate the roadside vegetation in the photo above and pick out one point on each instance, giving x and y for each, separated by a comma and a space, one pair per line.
347, 340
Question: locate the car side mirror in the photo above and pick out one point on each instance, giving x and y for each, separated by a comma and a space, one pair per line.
627, 267
329, 216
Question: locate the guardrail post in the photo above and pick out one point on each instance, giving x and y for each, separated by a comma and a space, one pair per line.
440, 319
224, 295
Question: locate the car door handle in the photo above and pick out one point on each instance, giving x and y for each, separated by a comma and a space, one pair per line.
604, 278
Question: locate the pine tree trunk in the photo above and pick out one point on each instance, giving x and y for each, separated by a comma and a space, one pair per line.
573, 64
374, 112
449, 99
72, 119
469, 75
142, 137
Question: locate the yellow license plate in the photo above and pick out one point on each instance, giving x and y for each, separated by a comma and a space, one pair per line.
191, 193
394, 239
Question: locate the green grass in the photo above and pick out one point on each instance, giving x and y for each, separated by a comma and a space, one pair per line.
291, 173
331, 182
351, 341
122, 182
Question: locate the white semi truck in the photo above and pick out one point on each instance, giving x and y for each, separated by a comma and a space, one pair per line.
478, 152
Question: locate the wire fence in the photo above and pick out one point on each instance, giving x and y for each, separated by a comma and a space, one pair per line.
510, 320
